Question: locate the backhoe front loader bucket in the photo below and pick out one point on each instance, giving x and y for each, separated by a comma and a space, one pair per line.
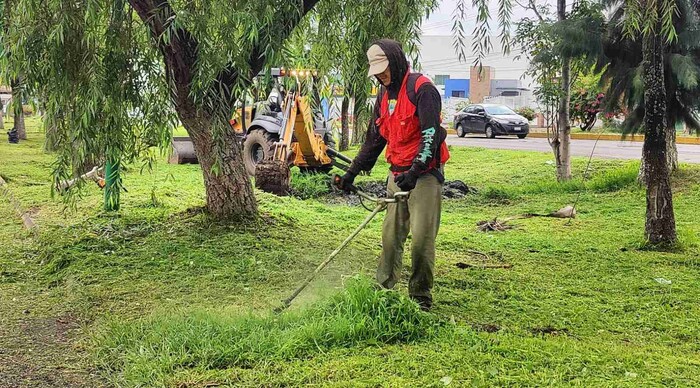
273, 177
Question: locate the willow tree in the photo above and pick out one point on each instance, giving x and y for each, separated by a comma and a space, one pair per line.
350, 28
116, 70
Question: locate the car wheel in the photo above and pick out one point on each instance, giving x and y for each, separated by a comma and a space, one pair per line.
460, 130
489, 132
522, 136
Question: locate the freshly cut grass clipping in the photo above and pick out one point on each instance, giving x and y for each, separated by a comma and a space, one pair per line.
146, 351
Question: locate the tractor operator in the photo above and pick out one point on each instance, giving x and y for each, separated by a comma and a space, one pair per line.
406, 120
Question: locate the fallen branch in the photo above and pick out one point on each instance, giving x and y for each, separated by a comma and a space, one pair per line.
27, 221
493, 225
498, 226
462, 265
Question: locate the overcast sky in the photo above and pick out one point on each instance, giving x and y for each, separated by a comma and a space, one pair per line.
440, 22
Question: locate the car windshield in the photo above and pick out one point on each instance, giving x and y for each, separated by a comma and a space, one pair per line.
499, 110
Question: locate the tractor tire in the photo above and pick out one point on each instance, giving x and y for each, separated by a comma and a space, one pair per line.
258, 147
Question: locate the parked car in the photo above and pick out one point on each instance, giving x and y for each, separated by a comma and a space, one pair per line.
491, 120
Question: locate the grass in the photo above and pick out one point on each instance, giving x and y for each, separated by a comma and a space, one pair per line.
150, 351
163, 296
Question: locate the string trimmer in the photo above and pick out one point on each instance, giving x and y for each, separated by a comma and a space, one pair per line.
381, 204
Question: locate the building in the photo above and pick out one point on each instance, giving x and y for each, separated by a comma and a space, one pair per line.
502, 79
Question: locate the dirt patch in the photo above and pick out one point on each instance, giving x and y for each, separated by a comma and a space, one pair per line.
38, 352
457, 189
450, 190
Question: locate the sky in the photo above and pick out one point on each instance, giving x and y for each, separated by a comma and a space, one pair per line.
437, 60
440, 22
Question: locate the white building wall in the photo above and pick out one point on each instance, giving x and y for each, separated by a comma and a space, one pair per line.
438, 57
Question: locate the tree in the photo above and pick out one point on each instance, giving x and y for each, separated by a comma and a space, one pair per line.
654, 21
351, 27
557, 43
17, 108
624, 77
121, 61
561, 144
561, 52
15, 81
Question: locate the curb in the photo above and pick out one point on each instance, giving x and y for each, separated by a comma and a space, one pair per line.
606, 137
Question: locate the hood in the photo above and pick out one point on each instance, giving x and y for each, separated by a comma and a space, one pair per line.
398, 65
513, 118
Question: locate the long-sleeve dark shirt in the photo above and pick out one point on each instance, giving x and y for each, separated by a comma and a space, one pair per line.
428, 110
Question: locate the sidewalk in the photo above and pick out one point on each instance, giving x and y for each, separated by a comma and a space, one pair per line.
535, 133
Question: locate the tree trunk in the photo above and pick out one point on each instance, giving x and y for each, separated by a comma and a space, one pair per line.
671, 155
19, 124
660, 220
671, 148
562, 145
228, 187
17, 109
358, 132
344, 125
2, 116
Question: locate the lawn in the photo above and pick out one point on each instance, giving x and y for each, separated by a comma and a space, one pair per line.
159, 295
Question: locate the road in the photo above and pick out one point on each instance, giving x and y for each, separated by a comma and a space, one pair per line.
687, 153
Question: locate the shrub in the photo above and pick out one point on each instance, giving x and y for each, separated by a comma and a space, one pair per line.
526, 112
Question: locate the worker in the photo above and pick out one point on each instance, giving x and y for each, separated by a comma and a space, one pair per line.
406, 120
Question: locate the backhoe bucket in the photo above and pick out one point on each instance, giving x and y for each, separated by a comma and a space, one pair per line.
273, 177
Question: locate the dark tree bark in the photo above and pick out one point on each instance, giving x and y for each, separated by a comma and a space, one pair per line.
17, 109
2, 116
228, 187
344, 124
671, 155
358, 131
660, 219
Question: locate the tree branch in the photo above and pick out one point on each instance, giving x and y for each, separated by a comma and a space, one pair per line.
179, 51
531, 6
256, 59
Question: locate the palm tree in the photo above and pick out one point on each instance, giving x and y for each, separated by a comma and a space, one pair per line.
656, 79
624, 76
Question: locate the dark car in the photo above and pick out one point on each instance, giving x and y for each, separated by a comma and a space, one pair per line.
492, 120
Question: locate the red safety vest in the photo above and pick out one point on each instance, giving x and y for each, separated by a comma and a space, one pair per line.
401, 129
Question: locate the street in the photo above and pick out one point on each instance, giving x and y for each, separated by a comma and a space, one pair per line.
687, 153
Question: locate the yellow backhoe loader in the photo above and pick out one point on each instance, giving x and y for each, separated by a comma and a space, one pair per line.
300, 142
281, 132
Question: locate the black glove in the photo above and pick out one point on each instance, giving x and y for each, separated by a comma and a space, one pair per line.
407, 180
345, 182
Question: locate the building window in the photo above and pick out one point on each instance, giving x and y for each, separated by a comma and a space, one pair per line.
458, 93
440, 79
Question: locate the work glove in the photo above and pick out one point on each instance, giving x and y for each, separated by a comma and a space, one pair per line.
407, 180
345, 182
